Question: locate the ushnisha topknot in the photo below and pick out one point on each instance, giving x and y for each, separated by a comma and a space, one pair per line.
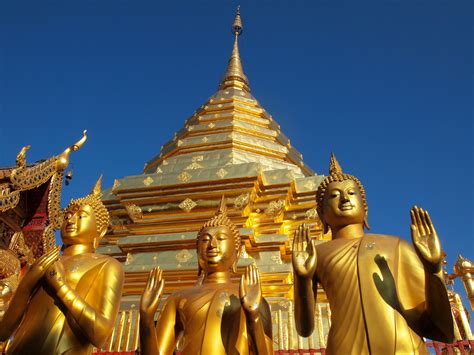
336, 174
221, 219
93, 200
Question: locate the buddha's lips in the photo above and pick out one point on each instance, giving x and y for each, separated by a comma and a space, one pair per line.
346, 207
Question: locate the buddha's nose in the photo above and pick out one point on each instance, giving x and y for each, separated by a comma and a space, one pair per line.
213, 242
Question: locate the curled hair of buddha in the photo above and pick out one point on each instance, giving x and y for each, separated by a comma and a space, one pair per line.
220, 218
93, 200
336, 174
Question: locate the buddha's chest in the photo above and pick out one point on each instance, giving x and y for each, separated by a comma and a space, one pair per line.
81, 268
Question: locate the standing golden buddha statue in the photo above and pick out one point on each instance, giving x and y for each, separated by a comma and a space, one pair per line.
66, 304
384, 294
216, 316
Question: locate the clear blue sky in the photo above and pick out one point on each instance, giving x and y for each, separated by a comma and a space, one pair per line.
386, 85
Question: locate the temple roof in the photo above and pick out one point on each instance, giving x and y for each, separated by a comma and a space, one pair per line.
230, 128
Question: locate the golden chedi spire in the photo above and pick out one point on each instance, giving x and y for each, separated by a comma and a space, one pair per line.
234, 75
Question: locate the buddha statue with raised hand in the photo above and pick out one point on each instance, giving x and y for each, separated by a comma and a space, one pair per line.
216, 316
68, 304
384, 294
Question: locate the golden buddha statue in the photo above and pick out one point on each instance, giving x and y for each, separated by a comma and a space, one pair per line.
216, 316
66, 304
384, 294
464, 268
12, 262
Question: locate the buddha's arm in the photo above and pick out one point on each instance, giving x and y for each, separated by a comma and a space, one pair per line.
431, 318
305, 299
94, 321
165, 328
14, 314
260, 329
19, 302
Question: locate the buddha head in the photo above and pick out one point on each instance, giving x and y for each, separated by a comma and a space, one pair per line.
218, 243
340, 199
85, 219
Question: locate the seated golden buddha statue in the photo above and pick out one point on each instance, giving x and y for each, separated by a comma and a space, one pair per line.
216, 316
384, 294
66, 304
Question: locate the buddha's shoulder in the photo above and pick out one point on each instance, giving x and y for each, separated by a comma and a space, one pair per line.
106, 262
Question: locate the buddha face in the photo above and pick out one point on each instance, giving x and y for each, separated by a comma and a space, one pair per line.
79, 226
343, 204
216, 249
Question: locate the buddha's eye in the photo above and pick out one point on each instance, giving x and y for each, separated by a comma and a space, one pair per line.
67, 216
205, 238
352, 192
221, 237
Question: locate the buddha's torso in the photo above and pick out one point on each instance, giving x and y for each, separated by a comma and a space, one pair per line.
345, 269
44, 328
211, 319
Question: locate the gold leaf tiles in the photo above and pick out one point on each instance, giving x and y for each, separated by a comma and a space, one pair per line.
159, 171
204, 139
198, 158
187, 205
211, 125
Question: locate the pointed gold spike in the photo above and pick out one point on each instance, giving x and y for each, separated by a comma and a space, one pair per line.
222, 209
234, 75
97, 187
334, 167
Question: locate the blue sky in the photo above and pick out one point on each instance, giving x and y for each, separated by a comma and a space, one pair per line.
386, 85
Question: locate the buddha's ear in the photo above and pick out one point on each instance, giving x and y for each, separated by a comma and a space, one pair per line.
325, 225
102, 232
366, 220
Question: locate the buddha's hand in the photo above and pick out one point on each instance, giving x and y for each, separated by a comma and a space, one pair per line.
425, 240
39, 268
304, 253
250, 292
152, 294
55, 276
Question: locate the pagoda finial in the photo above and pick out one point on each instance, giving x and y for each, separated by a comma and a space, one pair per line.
237, 25
234, 75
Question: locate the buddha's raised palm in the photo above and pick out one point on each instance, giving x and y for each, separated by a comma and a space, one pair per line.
304, 253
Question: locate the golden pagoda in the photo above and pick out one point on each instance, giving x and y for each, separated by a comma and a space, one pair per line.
229, 146
232, 147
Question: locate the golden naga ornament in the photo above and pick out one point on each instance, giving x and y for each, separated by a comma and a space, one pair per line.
216, 316
385, 295
67, 304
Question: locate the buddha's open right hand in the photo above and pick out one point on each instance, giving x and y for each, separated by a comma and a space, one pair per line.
38, 269
304, 253
152, 294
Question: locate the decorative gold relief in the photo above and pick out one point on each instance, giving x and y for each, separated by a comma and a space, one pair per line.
198, 158
183, 256
134, 211
187, 205
241, 201
193, 166
115, 186
275, 207
311, 213
179, 143
211, 125
184, 176
148, 181
310, 185
159, 171
204, 139
221, 173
